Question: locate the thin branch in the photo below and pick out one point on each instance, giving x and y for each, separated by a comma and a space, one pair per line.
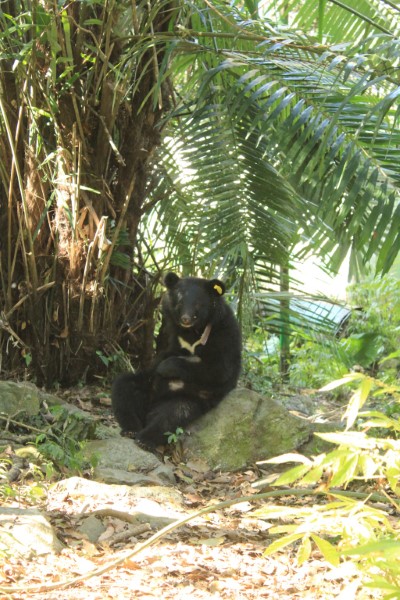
42, 288
19, 423
4, 325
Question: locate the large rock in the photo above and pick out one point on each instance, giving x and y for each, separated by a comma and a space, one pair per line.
157, 505
119, 460
26, 533
243, 429
25, 399
19, 398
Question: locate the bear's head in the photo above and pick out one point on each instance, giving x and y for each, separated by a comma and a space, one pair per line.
192, 302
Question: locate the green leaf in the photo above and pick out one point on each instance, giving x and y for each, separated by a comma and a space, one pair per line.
343, 381
383, 584
344, 471
282, 543
349, 439
313, 476
356, 401
328, 551
304, 551
387, 547
286, 458
292, 475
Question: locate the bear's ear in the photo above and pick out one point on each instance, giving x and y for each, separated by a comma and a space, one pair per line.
217, 287
170, 280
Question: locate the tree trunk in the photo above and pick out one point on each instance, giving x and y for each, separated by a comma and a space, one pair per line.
285, 325
76, 145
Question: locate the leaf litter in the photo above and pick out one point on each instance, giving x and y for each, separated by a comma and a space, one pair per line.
218, 556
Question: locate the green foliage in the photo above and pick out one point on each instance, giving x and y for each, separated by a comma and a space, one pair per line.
33, 474
380, 562
253, 93
176, 436
58, 445
238, 201
260, 369
314, 362
64, 453
349, 528
370, 341
280, 130
61, 443
115, 360
315, 358
6, 489
348, 519
378, 321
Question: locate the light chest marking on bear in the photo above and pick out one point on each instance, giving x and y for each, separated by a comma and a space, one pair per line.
175, 385
201, 342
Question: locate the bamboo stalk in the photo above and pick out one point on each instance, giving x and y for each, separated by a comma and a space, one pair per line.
11, 265
98, 240
31, 253
117, 231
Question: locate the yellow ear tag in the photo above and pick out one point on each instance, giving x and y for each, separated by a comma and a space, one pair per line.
218, 289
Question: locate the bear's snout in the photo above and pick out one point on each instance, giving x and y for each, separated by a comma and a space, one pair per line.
187, 320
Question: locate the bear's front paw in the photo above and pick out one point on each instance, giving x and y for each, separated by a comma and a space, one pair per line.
169, 368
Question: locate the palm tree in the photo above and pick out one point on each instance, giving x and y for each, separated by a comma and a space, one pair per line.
309, 137
192, 133
78, 128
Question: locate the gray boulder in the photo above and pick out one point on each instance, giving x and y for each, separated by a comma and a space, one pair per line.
243, 429
121, 461
26, 533
19, 398
157, 505
24, 398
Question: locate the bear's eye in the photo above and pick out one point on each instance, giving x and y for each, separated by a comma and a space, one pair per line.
197, 311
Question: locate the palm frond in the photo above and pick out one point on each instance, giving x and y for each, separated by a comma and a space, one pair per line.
339, 20
331, 133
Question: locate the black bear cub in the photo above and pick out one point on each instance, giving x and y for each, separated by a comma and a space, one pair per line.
197, 362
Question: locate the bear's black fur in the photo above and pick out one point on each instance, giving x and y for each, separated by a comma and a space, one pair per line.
197, 362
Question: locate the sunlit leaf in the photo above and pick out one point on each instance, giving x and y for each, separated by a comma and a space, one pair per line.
351, 439
343, 381
287, 458
291, 475
344, 470
357, 400
304, 550
388, 547
328, 551
282, 543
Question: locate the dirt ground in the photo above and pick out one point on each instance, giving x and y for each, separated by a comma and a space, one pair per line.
217, 556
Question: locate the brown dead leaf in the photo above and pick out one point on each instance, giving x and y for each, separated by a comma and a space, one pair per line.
193, 499
200, 466
105, 401
213, 542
